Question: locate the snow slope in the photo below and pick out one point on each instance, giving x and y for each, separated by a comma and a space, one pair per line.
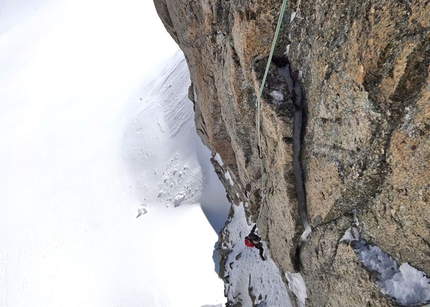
251, 281
163, 148
73, 177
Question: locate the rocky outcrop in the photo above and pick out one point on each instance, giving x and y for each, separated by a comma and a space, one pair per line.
366, 146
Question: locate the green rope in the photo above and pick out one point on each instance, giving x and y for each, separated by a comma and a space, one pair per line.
269, 60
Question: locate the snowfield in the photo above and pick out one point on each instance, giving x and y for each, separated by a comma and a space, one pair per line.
95, 133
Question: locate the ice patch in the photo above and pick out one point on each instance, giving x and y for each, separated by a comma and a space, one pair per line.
408, 286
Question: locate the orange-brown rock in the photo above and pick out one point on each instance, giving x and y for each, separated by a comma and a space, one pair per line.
366, 146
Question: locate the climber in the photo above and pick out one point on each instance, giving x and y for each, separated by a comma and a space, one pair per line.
253, 240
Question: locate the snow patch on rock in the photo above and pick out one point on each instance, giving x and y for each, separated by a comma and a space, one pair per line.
297, 285
405, 284
277, 95
351, 234
251, 281
218, 159
228, 178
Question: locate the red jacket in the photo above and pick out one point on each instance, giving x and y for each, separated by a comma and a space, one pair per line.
248, 242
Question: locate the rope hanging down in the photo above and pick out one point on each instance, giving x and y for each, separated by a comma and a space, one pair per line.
269, 60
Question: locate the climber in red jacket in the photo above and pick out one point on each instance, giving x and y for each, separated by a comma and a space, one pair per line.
253, 240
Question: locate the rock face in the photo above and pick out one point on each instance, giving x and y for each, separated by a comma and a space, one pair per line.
365, 70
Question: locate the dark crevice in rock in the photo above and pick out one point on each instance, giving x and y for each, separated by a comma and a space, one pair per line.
412, 81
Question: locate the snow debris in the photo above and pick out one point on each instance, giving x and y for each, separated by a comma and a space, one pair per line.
406, 284
180, 187
297, 285
228, 177
251, 281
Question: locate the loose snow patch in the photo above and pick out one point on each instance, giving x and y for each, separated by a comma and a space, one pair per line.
251, 281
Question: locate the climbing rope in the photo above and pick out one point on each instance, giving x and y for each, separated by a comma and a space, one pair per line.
269, 60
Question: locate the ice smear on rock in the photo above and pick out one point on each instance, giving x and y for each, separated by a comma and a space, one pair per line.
406, 284
251, 281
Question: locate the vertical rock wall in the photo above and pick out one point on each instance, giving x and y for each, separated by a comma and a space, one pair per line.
366, 145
